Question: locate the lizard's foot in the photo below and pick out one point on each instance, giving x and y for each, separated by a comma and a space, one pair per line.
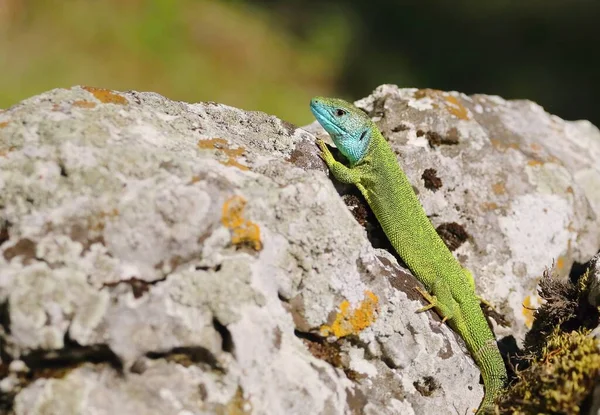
481, 300
325, 154
341, 172
433, 303
485, 302
431, 299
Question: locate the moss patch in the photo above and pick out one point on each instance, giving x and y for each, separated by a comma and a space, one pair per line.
561, 360
559, 381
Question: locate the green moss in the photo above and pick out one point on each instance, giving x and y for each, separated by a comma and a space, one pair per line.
561, 361
566, 306
560, 380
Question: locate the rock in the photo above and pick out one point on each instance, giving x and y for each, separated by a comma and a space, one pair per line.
173, 258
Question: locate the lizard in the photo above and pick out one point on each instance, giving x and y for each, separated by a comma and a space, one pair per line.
449, 288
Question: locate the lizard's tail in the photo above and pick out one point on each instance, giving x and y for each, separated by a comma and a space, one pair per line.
493, 373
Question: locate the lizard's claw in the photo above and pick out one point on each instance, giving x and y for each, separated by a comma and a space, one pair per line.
486, 303
325, 154
429, 298
443, 311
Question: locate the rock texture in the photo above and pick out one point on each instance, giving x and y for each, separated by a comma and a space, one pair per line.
160, 257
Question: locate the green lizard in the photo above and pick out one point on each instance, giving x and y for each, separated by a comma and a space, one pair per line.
373, 168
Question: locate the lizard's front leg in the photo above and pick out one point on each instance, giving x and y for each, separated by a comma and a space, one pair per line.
341, 172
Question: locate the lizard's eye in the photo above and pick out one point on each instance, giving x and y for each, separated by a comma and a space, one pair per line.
339, 112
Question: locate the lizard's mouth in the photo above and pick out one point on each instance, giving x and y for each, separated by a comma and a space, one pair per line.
326, 120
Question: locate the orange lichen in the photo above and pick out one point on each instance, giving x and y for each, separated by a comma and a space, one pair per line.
502, 145
3, 153
499, 188
456, 108
560, 262
497, 144
489, 206
427, 92
3, 124
238, 405
84, 104
535, 147
223, 145
452, 104
243, 231
554, 159
353, 321
98, 222
535, 163
106, 95
528, 311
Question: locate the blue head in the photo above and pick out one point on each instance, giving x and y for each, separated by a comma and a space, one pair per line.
349, 127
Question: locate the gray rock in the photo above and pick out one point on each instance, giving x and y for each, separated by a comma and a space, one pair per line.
173, 258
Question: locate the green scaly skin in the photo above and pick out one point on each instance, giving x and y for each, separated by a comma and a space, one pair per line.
373, 168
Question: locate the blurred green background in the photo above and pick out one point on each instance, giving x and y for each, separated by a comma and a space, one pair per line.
274, 55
